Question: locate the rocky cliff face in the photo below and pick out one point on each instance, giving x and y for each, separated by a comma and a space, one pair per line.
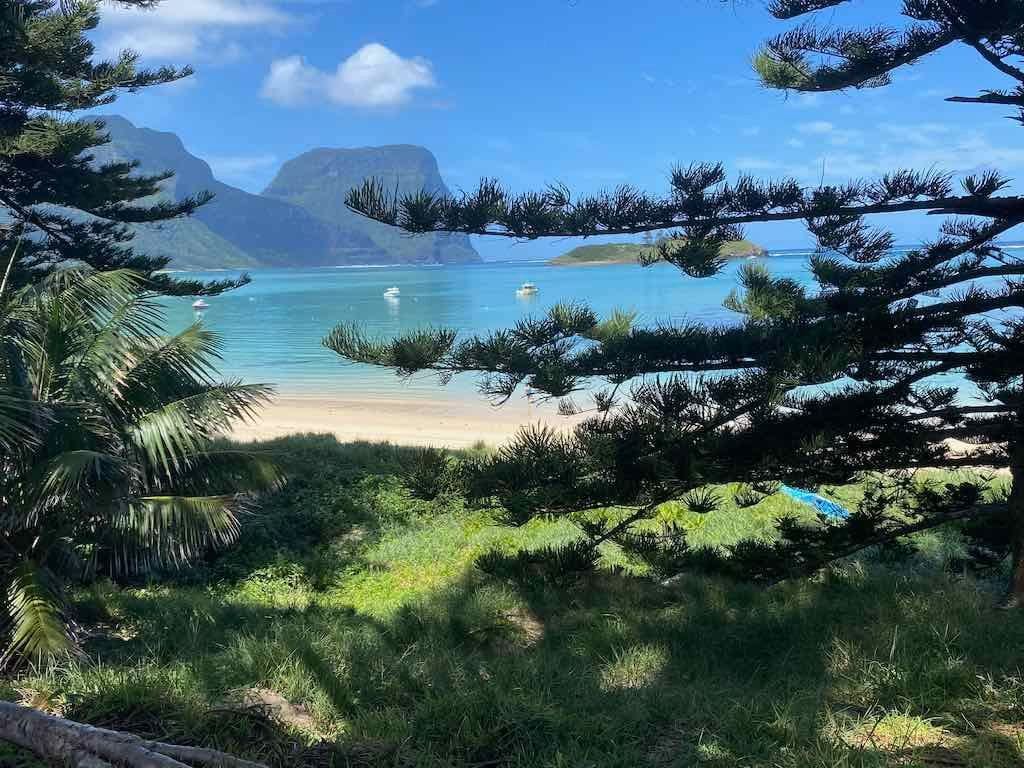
240, 229
318, 181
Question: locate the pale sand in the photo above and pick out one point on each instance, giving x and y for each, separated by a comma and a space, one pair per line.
452, 421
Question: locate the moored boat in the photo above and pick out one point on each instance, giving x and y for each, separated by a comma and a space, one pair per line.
527, 289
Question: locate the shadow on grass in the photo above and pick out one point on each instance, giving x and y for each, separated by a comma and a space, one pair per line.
853, 669
334, 503
615, 672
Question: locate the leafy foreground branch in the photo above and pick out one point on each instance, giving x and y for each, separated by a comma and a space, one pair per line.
59, 205
108, 464
107, 461
64, 742
108, 467
901, 360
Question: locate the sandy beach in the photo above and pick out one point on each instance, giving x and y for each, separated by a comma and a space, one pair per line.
452, 421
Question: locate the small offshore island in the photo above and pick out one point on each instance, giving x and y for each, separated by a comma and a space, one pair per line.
629, 253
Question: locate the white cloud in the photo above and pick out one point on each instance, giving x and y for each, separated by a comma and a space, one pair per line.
837, 137
183, 28
827, 153
806, 100
291, 81
373, 76
239, 165
817, 127
921, 134
184, 85
688, 86
250, 172
376, 76
957, 153
758, 164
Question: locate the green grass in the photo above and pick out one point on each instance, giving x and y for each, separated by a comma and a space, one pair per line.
629, 253
359, 605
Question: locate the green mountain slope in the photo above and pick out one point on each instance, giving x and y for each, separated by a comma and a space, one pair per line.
190, 244
319, 180
629, 253
240, 229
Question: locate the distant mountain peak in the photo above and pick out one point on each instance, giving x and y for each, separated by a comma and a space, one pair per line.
319, 181
300, 220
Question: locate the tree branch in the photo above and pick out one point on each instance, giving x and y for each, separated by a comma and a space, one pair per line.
989, 98
995, 59
1009, 207
893, 534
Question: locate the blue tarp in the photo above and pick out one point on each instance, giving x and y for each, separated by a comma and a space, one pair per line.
825, 506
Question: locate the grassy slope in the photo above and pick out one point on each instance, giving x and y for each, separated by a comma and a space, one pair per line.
629, 253
359, 603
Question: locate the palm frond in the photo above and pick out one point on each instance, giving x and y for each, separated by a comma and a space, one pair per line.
22, 422
115, 346
184, 428
242, 471
67, 474
185, 359
62, 318
90, 293
35, 614
106, 428
169, 531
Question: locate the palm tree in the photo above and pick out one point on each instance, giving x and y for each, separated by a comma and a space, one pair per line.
108, 459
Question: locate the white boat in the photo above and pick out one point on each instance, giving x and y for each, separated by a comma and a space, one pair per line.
200, 304
393, 292
527, 289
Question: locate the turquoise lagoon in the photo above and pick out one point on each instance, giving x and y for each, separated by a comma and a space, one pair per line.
272, 328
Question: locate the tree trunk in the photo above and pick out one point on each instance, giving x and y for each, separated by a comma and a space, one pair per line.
62, 742
1015, 593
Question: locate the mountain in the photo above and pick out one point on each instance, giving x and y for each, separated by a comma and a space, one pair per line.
629, 253
241, 229
319, 180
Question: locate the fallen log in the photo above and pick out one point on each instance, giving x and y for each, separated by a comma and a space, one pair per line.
77, 745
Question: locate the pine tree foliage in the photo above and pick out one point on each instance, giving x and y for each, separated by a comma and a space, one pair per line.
57, 205
108, 463
859, 378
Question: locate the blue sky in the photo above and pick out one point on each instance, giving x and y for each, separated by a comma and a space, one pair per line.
592, 93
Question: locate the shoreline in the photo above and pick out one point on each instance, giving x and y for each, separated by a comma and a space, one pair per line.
460, 420
450, 422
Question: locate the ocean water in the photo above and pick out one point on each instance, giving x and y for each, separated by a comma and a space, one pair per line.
272, 329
